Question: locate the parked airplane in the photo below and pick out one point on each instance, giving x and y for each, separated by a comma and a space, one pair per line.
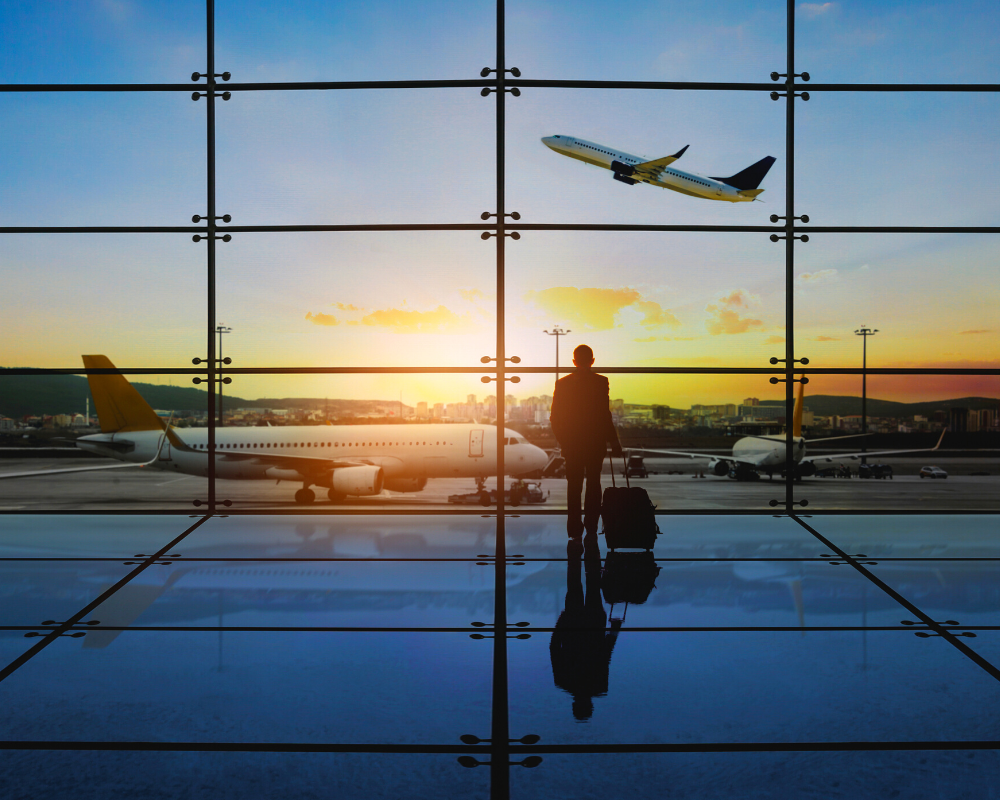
755, 454
630, 169
357, 460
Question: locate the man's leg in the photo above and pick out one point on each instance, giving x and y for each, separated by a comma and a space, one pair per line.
575, 468
592, 502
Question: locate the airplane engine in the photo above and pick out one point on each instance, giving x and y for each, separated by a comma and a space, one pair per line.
719, 467
358, 481
805, 469
622, 169
405, 484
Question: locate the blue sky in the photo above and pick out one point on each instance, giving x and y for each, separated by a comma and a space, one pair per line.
427, 156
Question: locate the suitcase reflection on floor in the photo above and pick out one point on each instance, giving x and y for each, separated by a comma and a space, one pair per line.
582, 642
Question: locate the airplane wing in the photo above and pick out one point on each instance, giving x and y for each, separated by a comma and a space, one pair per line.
300, 463
871, 453
116, 465
689, 454
652, 169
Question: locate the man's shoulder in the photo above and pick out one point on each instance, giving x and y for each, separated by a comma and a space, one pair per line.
582, 377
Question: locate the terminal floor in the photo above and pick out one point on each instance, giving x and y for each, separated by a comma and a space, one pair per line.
848, 656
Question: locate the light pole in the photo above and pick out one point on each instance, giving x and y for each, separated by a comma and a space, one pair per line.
557, 332
221, 329
864, 332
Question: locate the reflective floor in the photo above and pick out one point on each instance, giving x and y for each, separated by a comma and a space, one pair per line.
252, 656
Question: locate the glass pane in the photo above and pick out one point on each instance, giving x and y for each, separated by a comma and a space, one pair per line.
142, 41
99, 443
138, 299
878, 158
722, 776
358, 299
127, 158
247, 776
749, 687
554, 142
932, 298
306, 40
910, 466
683, 435
646, 300
305, 687
911, 535
591, 592
303, 593
90, 536
353, 157
720, 40
913, 42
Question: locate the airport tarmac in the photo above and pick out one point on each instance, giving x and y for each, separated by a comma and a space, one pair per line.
146, 489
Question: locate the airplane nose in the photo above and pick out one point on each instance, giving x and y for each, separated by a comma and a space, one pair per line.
548, 141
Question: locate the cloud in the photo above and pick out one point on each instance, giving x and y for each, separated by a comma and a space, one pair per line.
725, 317
825, 339
322, 319
400, 320
472, 295
813, 10
654, 315
591, 309
774, 340
977, 330
816, 277
348, 307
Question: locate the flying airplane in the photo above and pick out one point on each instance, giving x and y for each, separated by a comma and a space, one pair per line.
755, 454
355, 460
630, 169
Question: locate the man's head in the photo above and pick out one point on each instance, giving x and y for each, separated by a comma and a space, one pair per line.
583, 356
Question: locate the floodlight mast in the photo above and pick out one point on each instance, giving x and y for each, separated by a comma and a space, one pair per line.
557, 332
864, 332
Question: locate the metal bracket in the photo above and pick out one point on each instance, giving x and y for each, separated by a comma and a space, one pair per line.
776, 503
512, 359
486, 235
196, 361
531, 738
776, 95
775, 360
470, 762
33, 634
224, 75
226, 237
776, 75
90, 622
802, 380
226, 381
225, 218
486, 215
223, 95
486, 71
903, 622
775, 238
226, 503
512, 379
925, 635
775, 218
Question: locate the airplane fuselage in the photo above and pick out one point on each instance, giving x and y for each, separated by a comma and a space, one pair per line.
690, 183
403, 452
769, 452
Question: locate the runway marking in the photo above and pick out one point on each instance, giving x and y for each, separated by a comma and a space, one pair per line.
181, 478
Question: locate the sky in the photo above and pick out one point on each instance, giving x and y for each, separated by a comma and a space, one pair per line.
427, 156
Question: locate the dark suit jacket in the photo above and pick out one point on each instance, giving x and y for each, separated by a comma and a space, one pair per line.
581, 416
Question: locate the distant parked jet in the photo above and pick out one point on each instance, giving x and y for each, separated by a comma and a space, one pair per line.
630, 169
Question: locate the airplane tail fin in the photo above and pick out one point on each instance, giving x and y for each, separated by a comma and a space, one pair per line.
797, 413
119, 405
751, 177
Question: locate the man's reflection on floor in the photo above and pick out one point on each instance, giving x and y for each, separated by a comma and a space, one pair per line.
581, 647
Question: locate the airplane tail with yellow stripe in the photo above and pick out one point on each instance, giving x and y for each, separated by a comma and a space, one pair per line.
119, 405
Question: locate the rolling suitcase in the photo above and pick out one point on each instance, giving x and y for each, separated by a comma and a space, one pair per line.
627, 514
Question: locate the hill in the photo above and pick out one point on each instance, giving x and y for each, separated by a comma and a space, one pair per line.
826, 405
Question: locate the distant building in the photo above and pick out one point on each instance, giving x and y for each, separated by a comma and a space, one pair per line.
958, 419
422, 411
661, 412
751, 401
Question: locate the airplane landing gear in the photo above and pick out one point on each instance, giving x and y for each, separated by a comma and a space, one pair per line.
305, 496
336, 497
484, 497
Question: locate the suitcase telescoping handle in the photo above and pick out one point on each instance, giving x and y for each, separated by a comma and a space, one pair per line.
624, 464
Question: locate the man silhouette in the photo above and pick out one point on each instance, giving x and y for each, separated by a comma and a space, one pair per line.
581, 422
